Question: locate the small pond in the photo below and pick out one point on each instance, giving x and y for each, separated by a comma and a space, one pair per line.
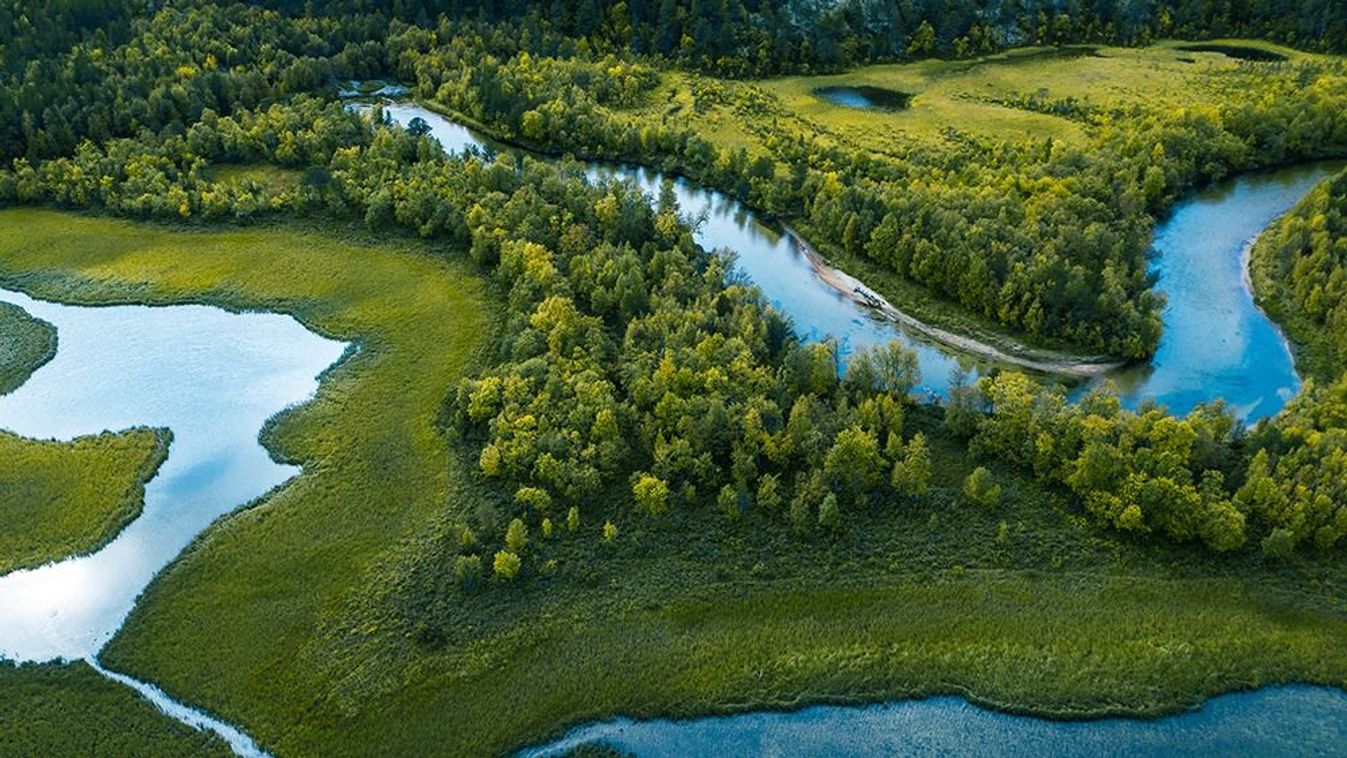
865, 97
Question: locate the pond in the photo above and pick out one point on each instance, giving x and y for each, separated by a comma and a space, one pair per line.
865, 97
1216, 342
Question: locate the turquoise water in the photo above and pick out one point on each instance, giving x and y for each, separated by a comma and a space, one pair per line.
213, 378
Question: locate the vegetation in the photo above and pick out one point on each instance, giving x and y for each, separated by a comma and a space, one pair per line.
26, 344
67, 498
70, 709
1299, 268
743, 524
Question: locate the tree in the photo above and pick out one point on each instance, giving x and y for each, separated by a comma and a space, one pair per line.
853, 464
507, 564
467, 570
912, 475
572, 519
1279, 544
980, 487
516, 535
728, 501
418, 127
829, 514
536, 498
651, 494
769, 492
610, 531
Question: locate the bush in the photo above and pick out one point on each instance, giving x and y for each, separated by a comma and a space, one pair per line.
980, 487
507, 564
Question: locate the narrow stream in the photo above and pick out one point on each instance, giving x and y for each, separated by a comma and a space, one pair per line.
212, 377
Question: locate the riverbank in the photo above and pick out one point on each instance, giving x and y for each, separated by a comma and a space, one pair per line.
848, 285
26, 344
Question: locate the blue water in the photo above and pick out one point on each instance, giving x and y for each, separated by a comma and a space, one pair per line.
1282, 721
1216, 342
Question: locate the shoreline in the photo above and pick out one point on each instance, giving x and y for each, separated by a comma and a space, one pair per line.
848, 285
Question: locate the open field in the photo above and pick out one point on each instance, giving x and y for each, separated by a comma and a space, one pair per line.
67, 498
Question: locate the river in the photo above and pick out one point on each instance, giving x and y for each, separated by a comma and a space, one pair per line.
1216, 342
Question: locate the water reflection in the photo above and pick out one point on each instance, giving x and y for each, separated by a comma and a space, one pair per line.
211, 377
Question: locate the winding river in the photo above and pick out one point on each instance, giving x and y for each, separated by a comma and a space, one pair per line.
1216, 342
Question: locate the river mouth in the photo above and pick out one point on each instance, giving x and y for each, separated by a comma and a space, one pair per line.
865, 97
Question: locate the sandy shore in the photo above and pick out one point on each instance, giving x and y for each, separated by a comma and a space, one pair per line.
1062, 365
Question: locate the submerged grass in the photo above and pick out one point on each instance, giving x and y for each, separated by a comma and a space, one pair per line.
325, 620
64, 498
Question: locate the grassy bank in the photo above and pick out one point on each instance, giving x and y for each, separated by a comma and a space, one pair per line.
326, 620
68, 498
26, 344
71, 710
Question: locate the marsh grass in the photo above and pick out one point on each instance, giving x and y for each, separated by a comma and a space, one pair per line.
71, 710
66, 498
26, 344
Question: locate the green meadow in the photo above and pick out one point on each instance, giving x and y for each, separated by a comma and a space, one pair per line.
71, 710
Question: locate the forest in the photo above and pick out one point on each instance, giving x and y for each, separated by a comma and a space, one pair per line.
633, 389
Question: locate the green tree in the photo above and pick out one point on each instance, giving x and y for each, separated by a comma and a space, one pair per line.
516, 535
507, 564
651, 494
980, 487
912, 475
829, 513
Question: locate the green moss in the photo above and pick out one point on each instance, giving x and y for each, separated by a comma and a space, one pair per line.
71, 710
68, 498
26, 344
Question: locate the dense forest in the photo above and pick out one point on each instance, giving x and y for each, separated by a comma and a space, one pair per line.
630, 358
752, 37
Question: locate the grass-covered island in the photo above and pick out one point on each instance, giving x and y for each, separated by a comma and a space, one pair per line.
26, 344
578, 468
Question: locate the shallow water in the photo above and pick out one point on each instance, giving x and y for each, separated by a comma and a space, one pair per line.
210, 376
1298, 720
1216, 342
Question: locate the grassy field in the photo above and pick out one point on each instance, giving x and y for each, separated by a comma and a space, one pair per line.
326, 621
71, 710
26, 343
68, 498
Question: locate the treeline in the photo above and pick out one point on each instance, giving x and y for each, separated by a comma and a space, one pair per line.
756, 37
174, 64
